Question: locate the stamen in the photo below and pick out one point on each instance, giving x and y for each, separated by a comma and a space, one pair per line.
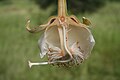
45, 63
36, 64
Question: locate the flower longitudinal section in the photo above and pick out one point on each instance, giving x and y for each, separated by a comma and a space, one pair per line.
65, 41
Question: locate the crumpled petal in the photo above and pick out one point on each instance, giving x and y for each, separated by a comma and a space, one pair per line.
42, 46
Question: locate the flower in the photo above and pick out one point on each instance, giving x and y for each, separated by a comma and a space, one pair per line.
66, 41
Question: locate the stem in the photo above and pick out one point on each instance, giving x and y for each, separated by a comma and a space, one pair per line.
62, 8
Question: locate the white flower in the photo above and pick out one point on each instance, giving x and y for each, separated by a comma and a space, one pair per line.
65, 40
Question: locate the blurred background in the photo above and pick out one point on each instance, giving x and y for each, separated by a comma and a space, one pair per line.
17, 45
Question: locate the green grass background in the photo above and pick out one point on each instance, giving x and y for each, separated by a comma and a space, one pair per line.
17, 46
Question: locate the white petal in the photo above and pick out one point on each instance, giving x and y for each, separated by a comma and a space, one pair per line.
52, 36
83, 36
42, 46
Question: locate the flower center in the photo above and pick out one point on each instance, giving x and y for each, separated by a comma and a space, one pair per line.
62, 18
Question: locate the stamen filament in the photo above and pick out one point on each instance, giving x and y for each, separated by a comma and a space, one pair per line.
45, 63
65, 42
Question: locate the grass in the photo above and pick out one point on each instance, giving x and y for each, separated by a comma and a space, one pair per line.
17, 46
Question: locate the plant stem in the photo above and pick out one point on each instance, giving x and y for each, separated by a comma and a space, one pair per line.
62, 8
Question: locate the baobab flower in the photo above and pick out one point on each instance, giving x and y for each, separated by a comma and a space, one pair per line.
66, 41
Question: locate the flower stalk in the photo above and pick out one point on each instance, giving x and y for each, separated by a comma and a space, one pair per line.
62, 8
